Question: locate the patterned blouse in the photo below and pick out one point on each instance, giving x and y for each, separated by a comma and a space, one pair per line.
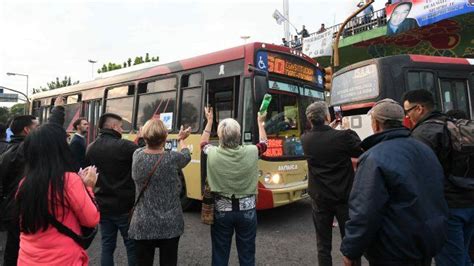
158, 214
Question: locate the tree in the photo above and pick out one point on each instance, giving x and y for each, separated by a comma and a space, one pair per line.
138, 60
17, 109
4, 115
55, 84
61, 83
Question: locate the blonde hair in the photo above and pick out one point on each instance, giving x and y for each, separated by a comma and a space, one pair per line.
229, 133
154, 133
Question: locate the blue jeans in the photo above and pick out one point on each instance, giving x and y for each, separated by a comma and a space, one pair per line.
460, 229
245, 225
109, 225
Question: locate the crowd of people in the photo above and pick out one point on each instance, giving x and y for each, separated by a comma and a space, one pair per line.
401, 206
410, 199
53, 199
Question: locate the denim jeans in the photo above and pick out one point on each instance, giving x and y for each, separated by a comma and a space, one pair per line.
245, 225
109, 225
460, 229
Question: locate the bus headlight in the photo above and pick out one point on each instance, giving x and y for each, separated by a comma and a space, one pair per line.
268, 178
276, 178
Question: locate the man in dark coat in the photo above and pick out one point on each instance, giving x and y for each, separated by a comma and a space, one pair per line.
397, 211
3, 140
331, 174
399, 22
115, 194
12, 164
78, 141
420, 109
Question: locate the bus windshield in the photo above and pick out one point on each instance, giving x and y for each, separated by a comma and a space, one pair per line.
285, 117
355, 85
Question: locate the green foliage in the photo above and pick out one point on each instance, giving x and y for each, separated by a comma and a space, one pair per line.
138, 60
55, 84
4, 115
17, 109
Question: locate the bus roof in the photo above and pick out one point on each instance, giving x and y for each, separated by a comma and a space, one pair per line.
222, 56
408, 58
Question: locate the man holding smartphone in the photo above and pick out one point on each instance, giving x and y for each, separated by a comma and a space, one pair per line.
331, 174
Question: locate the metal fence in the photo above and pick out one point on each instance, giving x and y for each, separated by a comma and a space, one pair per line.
355, 26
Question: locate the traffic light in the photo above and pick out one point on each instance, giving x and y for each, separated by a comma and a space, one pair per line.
327, 78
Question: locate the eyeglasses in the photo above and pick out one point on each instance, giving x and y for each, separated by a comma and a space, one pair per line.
407, 111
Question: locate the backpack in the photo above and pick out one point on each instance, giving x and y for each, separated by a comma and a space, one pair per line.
461, 133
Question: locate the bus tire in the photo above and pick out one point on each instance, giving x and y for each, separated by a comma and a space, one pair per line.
186, 203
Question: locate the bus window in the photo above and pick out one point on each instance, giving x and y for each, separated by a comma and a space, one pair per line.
157, 99
191, 80
308, 97
120, 101
161, 85
160, 105
37, 110
223, 96
72, 110
423, 80
454, 95
191, 101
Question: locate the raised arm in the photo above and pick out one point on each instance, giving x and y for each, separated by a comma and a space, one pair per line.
207, 130
261, 126
182, 135
57, 114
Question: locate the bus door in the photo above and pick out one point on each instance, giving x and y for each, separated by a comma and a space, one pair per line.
223, 94
92, 111
455, 95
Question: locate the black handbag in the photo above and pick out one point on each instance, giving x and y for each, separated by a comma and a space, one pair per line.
87, 233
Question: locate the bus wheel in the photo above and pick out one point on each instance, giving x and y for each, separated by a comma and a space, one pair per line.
186, 203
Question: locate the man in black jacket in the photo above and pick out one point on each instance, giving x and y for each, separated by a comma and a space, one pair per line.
419, 107
3, 136
397, 210
12, 165
78, 141
115, 194
331, 174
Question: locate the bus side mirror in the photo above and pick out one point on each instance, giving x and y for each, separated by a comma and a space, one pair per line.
260, 83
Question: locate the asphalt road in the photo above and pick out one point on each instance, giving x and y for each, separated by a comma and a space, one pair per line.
285, 236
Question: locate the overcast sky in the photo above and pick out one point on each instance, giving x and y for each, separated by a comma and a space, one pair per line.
47, 39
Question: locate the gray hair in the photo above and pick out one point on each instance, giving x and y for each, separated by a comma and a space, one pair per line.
317, 112
229, 133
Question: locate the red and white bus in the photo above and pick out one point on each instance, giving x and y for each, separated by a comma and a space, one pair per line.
234, 82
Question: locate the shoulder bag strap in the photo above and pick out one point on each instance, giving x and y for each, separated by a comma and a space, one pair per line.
148, 180
64, 229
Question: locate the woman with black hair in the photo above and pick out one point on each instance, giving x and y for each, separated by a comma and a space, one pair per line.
51, 186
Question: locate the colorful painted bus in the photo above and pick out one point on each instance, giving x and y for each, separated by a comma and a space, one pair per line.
357, 87
234, 82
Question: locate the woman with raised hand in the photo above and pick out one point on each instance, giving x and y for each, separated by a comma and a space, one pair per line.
232, 175
157, 220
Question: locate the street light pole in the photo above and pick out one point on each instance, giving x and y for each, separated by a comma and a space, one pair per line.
27, 93
92, 62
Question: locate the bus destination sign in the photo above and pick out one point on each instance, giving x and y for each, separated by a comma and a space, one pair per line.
289, 67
